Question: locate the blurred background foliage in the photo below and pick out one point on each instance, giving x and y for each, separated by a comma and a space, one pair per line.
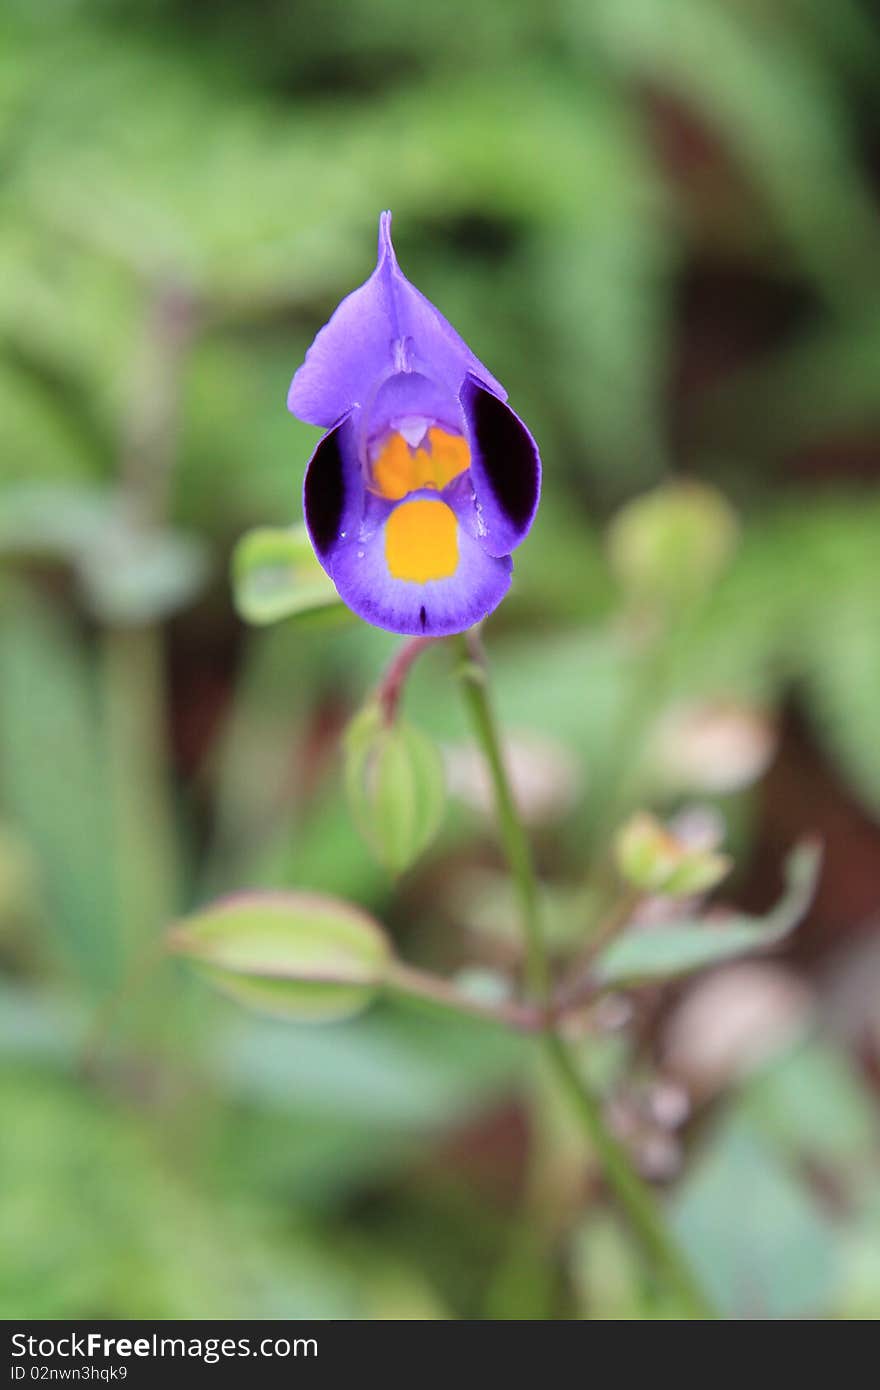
657, 222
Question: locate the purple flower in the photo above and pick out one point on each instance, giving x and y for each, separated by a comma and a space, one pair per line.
425, 480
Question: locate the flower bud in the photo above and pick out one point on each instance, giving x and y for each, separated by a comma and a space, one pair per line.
670, 544
654, 860
298, 956
396, 787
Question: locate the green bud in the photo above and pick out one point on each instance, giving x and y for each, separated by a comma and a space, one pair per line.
396, 787
297, 956
652, 859
670, 544
677, 948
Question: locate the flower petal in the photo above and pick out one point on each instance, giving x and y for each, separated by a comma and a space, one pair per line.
415, 568
505, 469
333, 491
383, 327
412, 397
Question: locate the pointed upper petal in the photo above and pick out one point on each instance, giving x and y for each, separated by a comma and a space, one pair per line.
385, 326
505, 469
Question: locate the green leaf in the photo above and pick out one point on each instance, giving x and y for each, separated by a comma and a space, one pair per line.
814, 1104
297, 956
682, 947
609, 1276
92, 1218
55, 521
37, 435
55, 781
128, 573
840, 651
759, 1243
823, 384
775, 100
396, 787
135, 576
275, 575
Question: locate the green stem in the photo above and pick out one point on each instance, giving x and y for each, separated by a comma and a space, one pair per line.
142, 814
633, 1194
144, 861
475, 680
412, 983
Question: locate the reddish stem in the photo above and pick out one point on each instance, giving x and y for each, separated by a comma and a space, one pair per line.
394, 679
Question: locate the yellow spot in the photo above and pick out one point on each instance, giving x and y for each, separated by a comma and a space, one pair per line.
449, 455
421, 540
399, 470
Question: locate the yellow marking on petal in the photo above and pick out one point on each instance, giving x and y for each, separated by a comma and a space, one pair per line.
450, 455
399, 470
421, 540
393, 469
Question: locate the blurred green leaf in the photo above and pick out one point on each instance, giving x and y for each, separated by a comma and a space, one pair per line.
94, 1217
797, 560
628, 213
819, 386
36, 433
40, 1025
129, 574
132, 575
610, 1276
318, 846
664, 952
858, 1296
52, 520
840, 651
799, 609
242, 454
815, 1106
275, 574
757, 1240
400, 1070
53, 777
295, 955
764, 87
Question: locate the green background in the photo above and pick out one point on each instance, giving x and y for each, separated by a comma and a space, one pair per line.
657, 223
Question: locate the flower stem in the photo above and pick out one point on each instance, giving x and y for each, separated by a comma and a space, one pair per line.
414, 984
475, 680
633, 1194
390, 690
